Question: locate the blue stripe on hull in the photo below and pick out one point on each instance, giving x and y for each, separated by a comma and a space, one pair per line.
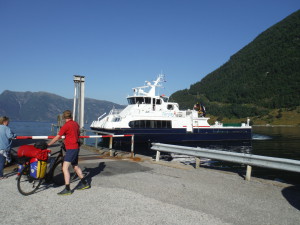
180, 135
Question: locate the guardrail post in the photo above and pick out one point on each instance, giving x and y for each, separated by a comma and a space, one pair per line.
110, 146
157, 156
248, 173
197, 166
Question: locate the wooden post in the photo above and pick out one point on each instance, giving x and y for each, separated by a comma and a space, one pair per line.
197, 166
110, 146
248, 173
157, 156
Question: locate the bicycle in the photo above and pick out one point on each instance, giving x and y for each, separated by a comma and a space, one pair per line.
27, 184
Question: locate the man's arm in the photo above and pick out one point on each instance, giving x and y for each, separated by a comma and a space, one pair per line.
57, 137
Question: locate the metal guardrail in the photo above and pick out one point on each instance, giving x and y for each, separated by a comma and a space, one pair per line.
247, 159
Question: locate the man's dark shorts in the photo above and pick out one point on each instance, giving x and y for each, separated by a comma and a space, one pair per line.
72, 156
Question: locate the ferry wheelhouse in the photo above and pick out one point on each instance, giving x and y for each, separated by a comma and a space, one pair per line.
153, 118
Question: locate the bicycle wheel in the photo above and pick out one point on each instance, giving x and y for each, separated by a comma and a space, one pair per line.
27, 185
57, 173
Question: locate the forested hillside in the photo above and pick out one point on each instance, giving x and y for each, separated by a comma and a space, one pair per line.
261, 79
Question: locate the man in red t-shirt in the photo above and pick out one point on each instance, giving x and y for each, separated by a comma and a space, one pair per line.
71, 132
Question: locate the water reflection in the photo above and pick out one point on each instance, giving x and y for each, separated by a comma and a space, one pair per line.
260, 137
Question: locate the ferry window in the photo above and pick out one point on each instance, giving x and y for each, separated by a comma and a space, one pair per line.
134, 124
139, 100
164, 124
165, 99
170, 107
147, 123
158, 124
158, 102
142, 124
148, 100
150, 124
131, 101
117, 119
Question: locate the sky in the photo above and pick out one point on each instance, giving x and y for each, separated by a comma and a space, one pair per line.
119, 44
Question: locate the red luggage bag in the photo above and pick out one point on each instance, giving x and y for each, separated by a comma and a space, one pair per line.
33, 152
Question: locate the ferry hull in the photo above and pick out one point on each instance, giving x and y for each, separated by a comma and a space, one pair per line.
180, 135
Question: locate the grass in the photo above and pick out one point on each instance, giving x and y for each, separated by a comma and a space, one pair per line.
277, 117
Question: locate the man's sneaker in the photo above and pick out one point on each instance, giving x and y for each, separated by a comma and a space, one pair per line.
82, 186
65, 192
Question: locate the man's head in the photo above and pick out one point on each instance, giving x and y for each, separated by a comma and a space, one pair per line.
67, 114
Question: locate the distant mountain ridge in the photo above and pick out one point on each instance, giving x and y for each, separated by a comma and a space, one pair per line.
262, 77
45, 107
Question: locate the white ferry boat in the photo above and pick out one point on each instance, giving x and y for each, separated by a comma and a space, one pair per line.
152, 118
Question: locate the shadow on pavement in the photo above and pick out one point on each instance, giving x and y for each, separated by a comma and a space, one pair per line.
91, 172
12, 173
292, 195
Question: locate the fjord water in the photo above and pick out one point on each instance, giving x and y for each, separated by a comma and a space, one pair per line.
31, 128
278, 141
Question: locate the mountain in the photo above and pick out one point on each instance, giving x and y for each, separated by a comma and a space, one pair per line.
262, 77
43, 106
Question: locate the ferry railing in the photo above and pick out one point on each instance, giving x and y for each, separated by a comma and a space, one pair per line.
115, 111
101, 116
247, 159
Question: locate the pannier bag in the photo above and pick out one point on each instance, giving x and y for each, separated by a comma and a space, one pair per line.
37, 168
21, 163
41, 145
20, 168
33, 152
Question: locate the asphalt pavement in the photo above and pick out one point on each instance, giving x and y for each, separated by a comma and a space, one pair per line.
126, 191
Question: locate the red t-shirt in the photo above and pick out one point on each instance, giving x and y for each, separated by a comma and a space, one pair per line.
71, 132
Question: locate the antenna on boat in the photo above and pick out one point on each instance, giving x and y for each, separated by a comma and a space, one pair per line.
163, 76
152, 86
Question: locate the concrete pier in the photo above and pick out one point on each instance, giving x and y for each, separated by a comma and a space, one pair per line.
140, 191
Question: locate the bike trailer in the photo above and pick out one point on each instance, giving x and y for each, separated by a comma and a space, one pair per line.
33, 152
37, 168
